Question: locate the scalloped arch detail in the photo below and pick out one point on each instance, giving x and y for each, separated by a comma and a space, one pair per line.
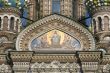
55, 22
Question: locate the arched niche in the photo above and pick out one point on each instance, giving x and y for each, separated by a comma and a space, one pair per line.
5, 23
12, 20
100, 23
106, 23
55, 22
17, 24
94, 23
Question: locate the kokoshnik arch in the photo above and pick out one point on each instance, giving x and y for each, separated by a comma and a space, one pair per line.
58, 41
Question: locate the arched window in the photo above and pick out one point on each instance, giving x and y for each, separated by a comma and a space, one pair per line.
12, 23
17, 23
94, 23
5, 23
56, 6
0, 22
106, 23
100, 23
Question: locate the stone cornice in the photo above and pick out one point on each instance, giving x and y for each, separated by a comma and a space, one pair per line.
9, 10
106, 59
101, 9
21, 56
54, 57
90, 56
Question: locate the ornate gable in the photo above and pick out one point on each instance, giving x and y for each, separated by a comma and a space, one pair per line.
59, 25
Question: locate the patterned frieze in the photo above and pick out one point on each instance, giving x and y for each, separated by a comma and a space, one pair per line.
10, 10
101, 9
52, 57
86, 61
55, 66
23, 66
21, 56
90, 56
106, 59
90, 66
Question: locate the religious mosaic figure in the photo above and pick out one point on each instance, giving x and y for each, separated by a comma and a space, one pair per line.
37, 43
55, 39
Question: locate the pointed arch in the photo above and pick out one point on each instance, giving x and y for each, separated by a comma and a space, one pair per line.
55, 22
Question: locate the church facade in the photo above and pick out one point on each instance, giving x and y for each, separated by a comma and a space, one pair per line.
56, 39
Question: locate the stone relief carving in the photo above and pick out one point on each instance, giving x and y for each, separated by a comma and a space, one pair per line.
55, 39
3, 39
3, 68
55, 66
106, 68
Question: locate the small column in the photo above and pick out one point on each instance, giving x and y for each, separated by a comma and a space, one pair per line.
9, 24
109, 23
97, 26
92, 28
15, 24
102, 23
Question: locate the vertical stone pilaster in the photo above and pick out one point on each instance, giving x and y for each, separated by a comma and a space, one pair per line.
9, 24
97, 25
1, 23
103, 26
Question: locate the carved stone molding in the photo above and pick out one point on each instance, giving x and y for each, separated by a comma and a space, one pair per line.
5, 69
55, 66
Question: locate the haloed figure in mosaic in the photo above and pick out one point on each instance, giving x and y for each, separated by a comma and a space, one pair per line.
55, 39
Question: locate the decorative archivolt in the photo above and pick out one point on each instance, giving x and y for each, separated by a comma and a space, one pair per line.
101, 22
55, 22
